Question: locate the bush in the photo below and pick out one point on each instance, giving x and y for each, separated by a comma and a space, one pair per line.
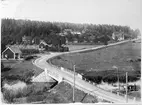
29, 51
26, 77
32, 92
111, 79
29, 57
65, 49
5, 69
9, 96
110, 76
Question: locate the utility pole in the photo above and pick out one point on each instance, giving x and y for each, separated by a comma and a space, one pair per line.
126, 87
74, 84
118, 80
117, 77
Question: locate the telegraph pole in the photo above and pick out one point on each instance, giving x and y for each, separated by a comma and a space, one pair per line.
118, 80
117, 77
74, 84
126, 87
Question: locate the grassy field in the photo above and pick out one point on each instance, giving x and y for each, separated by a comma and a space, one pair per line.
20, 67
90, 63
78, 47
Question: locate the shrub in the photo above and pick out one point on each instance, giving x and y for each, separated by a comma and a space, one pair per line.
58, 57
2, 66
110, 79
5, 69
26, 77
66, 49
9, 96
29, 51
31, 91
29, 58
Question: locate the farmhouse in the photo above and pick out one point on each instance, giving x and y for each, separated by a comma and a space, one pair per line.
118, 36
11, 53
43, 45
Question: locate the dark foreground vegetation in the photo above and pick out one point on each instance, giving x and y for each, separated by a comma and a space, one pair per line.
40, 93
33, 92
98, 65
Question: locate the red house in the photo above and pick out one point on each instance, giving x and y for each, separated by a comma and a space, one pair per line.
11, 53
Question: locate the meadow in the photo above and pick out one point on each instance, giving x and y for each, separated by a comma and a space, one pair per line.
99, 63
78, 47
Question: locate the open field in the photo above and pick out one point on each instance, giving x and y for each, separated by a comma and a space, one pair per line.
90, 63
78, 47
20, 67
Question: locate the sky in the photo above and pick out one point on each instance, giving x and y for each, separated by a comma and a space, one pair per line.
117, 12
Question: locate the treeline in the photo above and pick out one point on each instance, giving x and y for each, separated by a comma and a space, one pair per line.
13, 30
111, 76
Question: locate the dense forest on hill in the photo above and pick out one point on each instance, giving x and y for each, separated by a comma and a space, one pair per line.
13, 30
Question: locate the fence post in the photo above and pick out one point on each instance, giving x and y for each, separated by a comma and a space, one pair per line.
125, 96
118, 93
46, 76
111, 90
134, 99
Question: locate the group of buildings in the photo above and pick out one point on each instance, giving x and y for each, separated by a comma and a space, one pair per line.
14, 51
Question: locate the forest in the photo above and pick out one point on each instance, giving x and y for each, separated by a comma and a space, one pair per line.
13, 30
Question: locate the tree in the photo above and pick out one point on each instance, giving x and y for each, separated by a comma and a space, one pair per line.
2, 66
3, 47
13, 30
137, 33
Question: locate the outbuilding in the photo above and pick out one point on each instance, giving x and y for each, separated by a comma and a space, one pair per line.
11, 53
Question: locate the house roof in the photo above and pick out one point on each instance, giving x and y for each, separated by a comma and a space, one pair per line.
43, 42
13, 49
49, 45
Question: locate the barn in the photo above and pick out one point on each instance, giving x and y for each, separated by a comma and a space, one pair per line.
11, 53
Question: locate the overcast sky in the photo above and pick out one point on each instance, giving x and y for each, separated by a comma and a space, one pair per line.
118, 12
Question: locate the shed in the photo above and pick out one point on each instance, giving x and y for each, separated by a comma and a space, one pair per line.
11, 53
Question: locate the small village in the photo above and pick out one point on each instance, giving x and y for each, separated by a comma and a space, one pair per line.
71, 52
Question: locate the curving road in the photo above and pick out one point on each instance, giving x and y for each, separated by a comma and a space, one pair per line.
79, 83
